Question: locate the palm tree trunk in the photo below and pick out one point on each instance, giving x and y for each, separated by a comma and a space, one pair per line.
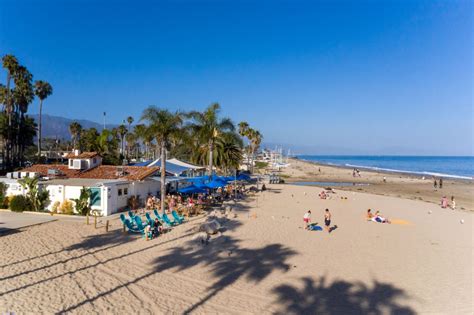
163, 176
7, 143
39, 129
252, 160
211, 153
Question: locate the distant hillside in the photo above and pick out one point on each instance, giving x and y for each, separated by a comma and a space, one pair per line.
55, 126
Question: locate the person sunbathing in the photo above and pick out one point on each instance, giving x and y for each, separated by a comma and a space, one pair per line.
379, 218
370, 215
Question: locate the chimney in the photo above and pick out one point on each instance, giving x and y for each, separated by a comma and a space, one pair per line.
76, 152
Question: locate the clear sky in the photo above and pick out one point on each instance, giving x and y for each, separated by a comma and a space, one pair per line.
354, 77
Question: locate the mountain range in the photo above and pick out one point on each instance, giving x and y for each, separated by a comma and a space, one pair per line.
58, 127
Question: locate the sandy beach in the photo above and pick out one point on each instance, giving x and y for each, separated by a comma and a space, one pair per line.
397, 184
263, 262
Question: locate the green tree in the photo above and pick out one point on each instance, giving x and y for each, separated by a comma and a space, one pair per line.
75, 129
42, 90
207, 127
163, 125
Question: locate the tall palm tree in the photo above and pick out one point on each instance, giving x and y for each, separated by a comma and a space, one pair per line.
75, 129
42, 91
163, 125
207, 127
10, 63
130, 122
122, 131
255, 138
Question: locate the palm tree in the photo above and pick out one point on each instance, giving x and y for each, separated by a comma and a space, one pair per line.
255, 138
207, 127
163, 125
75, 129
122, 131
10, 63
42, 91
130, 122
243, 128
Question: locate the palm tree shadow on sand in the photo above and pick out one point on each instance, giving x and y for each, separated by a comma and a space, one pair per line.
228, 262
340, 297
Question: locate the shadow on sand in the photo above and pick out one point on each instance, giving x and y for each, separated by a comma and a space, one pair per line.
340, 297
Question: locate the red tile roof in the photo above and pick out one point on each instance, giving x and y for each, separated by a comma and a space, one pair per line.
99, 172
83, 155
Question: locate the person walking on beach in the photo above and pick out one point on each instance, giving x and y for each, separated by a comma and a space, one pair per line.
327, 220
453, 203
435, 184
440, 183
307, 219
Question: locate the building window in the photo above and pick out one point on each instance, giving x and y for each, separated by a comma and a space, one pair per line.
94, 160
125, 191
120, 192
71, 162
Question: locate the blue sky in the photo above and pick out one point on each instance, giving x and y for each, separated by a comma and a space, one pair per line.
327, 77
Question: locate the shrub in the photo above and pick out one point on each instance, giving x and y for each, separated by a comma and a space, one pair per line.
67, 207
5, 203
20, 203
55, 207
82, 203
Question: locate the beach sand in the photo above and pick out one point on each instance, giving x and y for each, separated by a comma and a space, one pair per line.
264, 262
396, 185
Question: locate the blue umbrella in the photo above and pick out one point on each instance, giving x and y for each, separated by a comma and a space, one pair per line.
192, 190
243, 177
216, 183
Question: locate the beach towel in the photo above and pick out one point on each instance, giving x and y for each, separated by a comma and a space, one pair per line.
314, 227
400, 222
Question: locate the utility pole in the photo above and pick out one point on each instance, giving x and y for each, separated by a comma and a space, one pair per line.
104, 122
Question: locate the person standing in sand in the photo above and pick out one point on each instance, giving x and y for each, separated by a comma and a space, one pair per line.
453, 203
440, 183
327, 220
435, 184
307, 219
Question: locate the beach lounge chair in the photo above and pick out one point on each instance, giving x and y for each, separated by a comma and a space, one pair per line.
177, 217
168, 221
157, 215
133, 229
130, 227
160, 218
149, 219
141, 227
131, 215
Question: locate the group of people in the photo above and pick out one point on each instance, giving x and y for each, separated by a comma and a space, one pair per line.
327, 220
356, 173
445, 204
377, 217
435, 183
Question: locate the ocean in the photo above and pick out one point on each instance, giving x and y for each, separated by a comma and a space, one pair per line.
445, 166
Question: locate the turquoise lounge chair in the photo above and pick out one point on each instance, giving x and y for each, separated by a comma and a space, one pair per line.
131, 228
168, 221
157, 215
177, 217
131, 216
160, 218
141, 226
149, 219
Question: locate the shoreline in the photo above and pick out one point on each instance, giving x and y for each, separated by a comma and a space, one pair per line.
401, 185
393, 172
